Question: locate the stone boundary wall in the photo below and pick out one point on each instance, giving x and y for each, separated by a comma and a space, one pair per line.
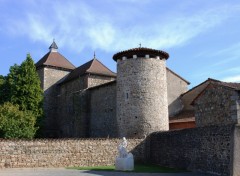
64, 152
212, 149
205, 149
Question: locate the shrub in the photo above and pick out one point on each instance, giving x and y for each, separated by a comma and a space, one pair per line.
15, 123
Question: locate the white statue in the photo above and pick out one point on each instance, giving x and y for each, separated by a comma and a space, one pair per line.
122, 149
124, 161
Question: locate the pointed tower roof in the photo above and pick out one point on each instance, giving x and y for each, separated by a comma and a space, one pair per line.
55, 59
94, 66
53, 46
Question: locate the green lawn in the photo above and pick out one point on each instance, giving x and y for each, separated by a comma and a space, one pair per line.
137, 168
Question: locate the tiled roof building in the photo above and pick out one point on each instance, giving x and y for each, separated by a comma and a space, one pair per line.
54, 59
80, 102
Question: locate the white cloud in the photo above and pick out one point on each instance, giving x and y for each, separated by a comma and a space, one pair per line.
78, 25
235, 78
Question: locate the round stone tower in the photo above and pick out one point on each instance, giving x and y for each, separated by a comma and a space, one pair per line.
142, 105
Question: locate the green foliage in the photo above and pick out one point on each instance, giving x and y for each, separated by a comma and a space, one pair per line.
22, 87
7, 87
2, 79
15, 123
2, 89
25, 87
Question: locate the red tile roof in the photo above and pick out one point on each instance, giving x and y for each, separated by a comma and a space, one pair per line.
94, 66
55, 59
140, 51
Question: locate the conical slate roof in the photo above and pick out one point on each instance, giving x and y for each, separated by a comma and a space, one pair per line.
94, 66
55, 59
53, 45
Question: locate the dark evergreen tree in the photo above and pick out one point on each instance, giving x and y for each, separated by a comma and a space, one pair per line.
8, 88
2, 89
2, 79
21, 87
25, 87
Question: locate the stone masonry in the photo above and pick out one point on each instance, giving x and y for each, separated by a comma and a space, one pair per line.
142, 105
79, 115
96, 80
204, 149
217, 105
74, 85
103, 122
72, 111
212, 149
65, 152
50, 89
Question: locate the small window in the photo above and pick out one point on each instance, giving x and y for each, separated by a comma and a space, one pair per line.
127, 95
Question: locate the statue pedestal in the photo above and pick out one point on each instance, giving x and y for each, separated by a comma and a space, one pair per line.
125, 164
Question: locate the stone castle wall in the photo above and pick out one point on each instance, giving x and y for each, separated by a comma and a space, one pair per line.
65, 152
74, 103
95, 80
77, 84
75, 109
175, 87
217, 105
73, 114
51, 77
142, 105
205, 149
103, 122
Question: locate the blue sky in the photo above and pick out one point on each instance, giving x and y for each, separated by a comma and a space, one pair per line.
201, 36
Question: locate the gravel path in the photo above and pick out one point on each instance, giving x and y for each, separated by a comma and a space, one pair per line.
69, 172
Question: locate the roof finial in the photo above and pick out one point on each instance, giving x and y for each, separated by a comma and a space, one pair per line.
140, 45
53, 47
94, 55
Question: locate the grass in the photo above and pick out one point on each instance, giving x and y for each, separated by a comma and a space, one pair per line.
137, 168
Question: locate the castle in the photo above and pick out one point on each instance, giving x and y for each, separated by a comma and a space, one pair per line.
92, 101
145, 101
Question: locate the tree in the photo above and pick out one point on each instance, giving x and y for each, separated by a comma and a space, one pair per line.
2, 79
21, 87
25, 88
15, 123
8, 84
2, 89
